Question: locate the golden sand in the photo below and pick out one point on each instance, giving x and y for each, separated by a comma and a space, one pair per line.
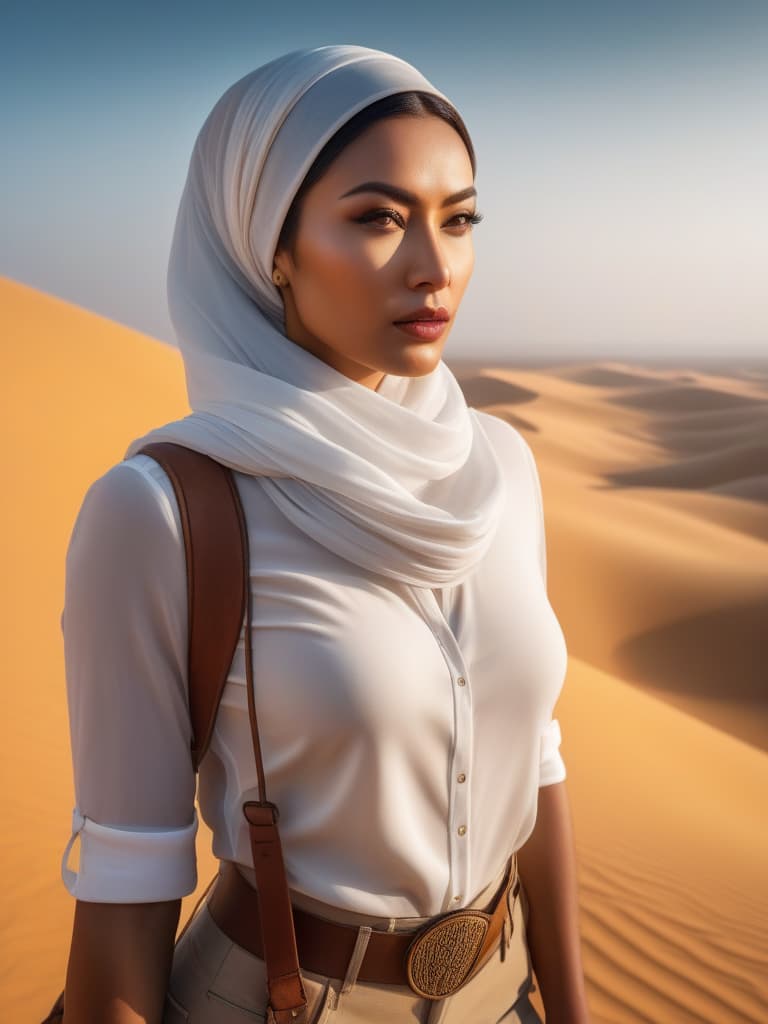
655, 484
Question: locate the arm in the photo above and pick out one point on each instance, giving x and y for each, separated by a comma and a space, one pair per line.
125, 644
119, 962
547, 870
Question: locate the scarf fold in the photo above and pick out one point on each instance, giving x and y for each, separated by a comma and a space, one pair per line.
402, 480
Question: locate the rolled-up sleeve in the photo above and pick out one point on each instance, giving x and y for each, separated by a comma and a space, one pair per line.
124, 625
551, 764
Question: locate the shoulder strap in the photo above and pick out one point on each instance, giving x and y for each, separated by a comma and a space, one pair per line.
216, 547
219, 596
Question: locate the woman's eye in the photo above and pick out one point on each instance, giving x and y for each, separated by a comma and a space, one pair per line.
381, 215
462, 220
468, 219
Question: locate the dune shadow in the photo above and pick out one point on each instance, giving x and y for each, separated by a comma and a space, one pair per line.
725, 467
697, 433
519, 422
719, 655
481, 391
750, 488
604, 377
716, 441
669, 397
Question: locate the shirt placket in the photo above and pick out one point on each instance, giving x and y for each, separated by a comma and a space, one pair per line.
460, 755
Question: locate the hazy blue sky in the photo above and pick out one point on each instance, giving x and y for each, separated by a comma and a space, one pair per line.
623, 156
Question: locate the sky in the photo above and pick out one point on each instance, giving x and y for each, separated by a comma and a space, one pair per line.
622, 157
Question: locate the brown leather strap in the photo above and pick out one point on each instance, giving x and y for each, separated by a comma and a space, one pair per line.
217, 576
218, 592
287, 997
325, 946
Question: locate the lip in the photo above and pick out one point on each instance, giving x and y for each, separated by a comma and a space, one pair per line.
426, 313
425, 330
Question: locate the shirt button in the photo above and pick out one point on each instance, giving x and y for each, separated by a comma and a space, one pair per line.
457, 898
461, 777
462, 829
461, 681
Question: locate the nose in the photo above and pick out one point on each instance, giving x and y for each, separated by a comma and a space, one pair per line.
428, 264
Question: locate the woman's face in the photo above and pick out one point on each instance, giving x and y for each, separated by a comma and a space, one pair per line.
366, 257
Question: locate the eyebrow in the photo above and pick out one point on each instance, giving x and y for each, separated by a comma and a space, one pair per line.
402, 196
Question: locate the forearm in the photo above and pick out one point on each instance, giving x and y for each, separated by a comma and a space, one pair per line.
119, 962
548, 872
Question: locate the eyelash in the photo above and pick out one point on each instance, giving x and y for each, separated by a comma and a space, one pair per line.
471, 218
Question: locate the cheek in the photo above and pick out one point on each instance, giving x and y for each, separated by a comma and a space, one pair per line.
465, 259
462, 267
338, 276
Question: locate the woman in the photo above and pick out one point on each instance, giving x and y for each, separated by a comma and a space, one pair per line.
405, 656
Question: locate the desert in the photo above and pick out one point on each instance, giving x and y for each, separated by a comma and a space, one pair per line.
655, 488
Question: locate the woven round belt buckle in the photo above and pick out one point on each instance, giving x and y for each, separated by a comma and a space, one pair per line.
442, 954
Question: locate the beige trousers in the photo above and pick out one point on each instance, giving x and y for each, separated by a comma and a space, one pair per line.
215, 981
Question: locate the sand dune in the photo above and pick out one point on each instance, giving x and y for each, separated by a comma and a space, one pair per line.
696, 433
691, 398
699, 472
605, 376
646, 572
671, 855
746, 516
752, 488
661, 587
79, 389
489, 390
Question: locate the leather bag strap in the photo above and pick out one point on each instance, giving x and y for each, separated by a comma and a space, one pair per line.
287, 997
218, 594
216, 559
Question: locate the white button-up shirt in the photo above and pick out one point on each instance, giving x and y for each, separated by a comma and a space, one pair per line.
405, 731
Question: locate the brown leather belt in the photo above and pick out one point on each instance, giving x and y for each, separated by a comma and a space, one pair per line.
433, 960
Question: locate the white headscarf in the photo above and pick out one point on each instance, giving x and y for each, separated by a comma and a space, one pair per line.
402, 480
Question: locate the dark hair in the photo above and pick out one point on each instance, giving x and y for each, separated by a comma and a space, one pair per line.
414, 103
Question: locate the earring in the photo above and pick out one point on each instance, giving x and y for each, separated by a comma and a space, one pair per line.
279, 277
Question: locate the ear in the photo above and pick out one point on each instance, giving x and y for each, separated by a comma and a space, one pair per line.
282, 261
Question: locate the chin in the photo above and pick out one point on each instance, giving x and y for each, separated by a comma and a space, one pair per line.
420, 364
